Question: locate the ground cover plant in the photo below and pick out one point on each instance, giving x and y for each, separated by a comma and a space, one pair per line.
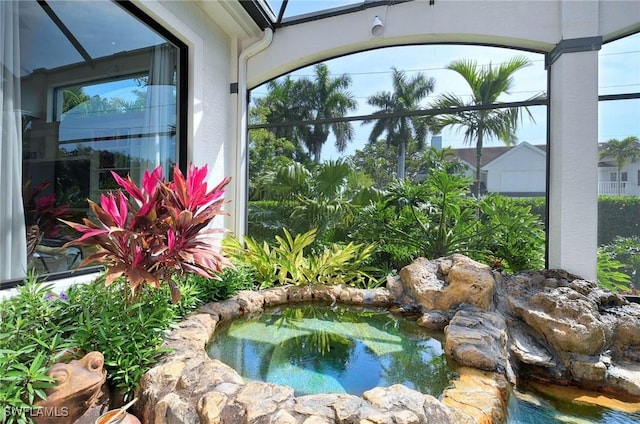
291, 261
39, 328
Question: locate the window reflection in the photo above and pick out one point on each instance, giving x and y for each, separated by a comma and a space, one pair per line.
98, 96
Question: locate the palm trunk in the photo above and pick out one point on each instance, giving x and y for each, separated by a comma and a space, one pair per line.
478, 163
619, 182
317, 150
402, 152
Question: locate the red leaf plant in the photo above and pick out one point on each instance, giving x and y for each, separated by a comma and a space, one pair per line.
43, 210
160, 231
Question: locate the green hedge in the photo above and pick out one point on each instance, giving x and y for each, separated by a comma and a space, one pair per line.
618, 216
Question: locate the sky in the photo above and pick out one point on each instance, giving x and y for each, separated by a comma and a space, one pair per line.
370, 71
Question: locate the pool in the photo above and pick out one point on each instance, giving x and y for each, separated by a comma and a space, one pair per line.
334, 349
530, 408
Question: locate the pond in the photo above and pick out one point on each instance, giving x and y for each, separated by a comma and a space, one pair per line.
529, 408
317, 348
334, 349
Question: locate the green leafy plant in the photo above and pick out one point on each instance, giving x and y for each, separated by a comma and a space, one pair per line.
160, 234
437, 217
513, 236
129, 335
609, 275
287, 262
625, 250
39, 328
32, 325
443, 215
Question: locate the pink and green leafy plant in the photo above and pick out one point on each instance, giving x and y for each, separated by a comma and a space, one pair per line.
159, 232
43, 210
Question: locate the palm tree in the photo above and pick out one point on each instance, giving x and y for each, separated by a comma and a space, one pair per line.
406, 96
283, 103
487, 84
327, 98
323, 97
622, 151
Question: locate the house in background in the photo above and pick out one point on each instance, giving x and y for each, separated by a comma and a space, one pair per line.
517, 171
629, 184
520, 171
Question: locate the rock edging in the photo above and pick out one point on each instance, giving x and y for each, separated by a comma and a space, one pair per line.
550, 326
189, 387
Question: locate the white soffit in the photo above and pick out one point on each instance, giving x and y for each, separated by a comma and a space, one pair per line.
231, 17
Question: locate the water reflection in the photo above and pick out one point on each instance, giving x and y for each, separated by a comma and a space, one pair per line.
321, 349
529, 408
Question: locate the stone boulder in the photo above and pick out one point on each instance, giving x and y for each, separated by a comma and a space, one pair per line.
400, 399
570, 331
477, 397
566, 319
478, 339
445, 284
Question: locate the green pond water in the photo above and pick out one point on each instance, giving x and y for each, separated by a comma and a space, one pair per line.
322, 349
337, 349
529, 408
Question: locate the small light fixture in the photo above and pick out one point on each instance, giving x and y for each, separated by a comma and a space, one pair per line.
377, 27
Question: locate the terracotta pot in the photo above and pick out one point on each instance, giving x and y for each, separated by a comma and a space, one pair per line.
125, 419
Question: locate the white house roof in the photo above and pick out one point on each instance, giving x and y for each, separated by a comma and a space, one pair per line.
491, 154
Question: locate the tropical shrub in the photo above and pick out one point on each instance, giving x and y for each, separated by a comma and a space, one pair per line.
626, 251
287, 262
378, 224
609, 273
161, 232
324, 197
511, 234
437, 217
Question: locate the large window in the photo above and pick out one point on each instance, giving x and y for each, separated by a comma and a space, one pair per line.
99, 94
619, 161
405, 113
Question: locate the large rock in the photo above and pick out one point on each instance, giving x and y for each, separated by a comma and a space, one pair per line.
568, 320
398, 398
477, 338
477, 397
626, 332
445, 284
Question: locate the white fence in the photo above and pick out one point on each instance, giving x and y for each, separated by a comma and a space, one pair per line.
612, 187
